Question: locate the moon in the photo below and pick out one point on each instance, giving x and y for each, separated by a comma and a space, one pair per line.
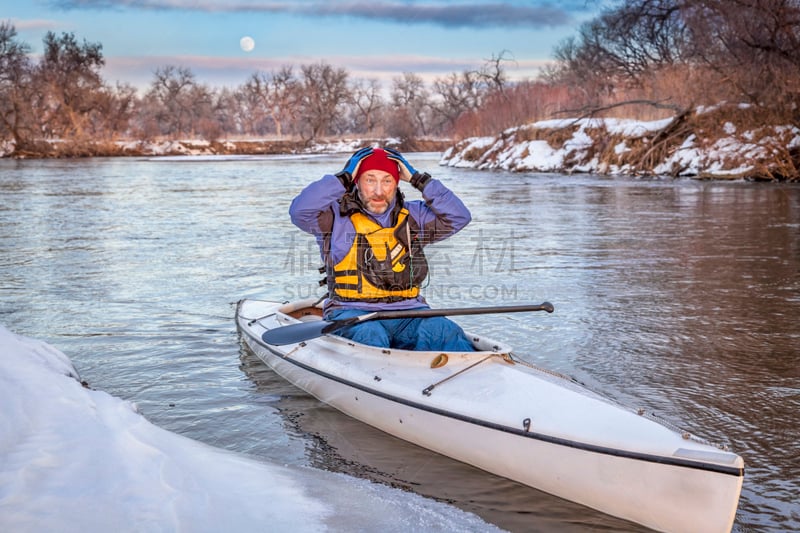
247, 43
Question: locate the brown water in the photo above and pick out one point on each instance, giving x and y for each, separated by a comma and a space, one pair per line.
680, 297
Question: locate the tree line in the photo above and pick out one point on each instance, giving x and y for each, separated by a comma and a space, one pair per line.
683, 54
63, 96
639, 58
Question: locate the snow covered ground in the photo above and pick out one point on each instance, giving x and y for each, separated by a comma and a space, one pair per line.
76, 459
622, 146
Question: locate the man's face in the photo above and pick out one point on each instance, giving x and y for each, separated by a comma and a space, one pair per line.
376, 189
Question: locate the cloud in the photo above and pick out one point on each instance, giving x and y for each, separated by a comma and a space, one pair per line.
453, 16
217, 71
34, 24
439, 13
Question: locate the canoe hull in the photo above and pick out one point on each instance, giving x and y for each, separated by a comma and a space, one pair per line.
663, 491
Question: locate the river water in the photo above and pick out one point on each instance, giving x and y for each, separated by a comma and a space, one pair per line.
679, 297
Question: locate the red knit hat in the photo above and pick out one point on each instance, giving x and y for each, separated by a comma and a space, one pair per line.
378, 161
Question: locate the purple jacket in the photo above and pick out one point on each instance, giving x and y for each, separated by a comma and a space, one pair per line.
316, 210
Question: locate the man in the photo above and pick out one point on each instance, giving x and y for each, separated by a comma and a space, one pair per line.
371, 240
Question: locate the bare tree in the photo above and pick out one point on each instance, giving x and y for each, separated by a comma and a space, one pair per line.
273, 95
226, 113
493, 73
367, 103
113, 110
623, 48
740, 50
204, 120
170, 100
751, 46
69, 81
16, 119
457, 94
254, 97
285, 101
323, 94
410, 111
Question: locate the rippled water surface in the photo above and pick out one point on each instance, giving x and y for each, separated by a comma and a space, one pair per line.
681, 297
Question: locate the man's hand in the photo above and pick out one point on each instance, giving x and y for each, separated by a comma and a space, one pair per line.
407, 172
351, 167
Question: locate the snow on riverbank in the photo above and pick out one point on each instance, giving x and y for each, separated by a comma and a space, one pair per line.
200, 148
75, 459
205, 148
702, 145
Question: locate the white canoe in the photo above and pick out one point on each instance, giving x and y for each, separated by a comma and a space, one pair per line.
512, 419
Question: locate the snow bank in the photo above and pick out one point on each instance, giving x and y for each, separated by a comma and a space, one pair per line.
673, 147
198, 148
6, 148
75, 459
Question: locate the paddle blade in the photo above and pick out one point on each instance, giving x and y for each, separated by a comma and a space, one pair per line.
294, 333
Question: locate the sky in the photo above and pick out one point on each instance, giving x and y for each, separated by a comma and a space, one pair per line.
79, 460
371, 39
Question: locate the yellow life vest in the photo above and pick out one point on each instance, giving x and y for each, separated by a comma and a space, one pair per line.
382, 265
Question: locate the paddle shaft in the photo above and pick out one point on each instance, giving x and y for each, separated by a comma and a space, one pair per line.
426, 313
304, 331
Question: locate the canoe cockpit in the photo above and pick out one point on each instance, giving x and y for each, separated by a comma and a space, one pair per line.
311, 309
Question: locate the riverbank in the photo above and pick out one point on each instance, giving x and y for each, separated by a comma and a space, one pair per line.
75, 448
128, 148
716, 143
706, 143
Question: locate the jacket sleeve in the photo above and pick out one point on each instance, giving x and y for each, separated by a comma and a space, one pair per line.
312, 209
442, 214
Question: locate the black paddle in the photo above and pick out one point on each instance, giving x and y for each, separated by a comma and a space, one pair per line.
304, 331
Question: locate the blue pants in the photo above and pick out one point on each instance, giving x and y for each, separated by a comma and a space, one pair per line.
438, 333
